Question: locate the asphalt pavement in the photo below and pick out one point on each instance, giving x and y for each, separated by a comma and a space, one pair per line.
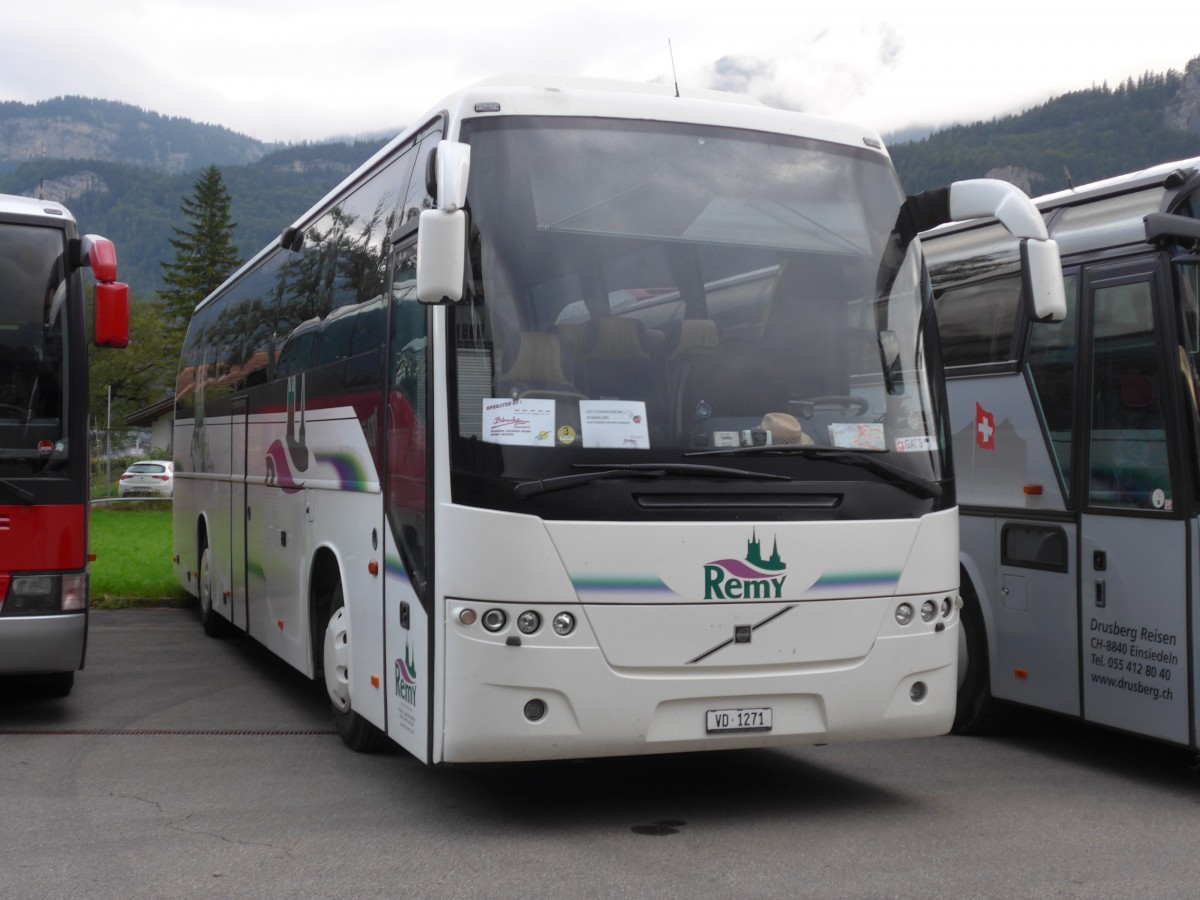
182, 766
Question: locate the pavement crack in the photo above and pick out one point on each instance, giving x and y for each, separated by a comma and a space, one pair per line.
178, 825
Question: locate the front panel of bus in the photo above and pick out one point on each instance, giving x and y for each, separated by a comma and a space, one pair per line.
43, 449
698, 492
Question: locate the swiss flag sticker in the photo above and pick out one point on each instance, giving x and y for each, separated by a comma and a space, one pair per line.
985, 428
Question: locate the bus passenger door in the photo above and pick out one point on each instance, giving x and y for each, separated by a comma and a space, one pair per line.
1133, 541
407, 622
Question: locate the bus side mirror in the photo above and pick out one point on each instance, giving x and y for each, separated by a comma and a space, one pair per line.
442, 232
889, 354
1041, 266
441, 255
100, 256
1042, 281
112, 315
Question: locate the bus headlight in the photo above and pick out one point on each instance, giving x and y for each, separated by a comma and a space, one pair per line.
928, 611
904, 613
494, 619
528, 622
947, 606
36, 594
563, 624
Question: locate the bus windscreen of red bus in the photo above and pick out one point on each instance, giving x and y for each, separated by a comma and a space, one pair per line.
33, 289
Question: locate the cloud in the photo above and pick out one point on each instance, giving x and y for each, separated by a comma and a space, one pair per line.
825, 74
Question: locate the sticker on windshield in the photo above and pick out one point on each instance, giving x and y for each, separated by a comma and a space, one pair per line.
921, 443
528, 423
614, 423
858, 435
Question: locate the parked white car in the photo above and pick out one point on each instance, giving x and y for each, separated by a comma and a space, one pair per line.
152, 478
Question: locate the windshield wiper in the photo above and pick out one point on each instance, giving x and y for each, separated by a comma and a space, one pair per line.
639, 470
17, 491
868, 459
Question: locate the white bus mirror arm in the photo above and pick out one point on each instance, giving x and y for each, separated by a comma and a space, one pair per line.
983, 197
453, 166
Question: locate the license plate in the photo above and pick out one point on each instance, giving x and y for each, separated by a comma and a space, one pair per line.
725, 721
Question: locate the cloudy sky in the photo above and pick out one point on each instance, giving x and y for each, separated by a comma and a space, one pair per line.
290, 70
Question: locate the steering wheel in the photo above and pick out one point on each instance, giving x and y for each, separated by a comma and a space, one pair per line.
547, 394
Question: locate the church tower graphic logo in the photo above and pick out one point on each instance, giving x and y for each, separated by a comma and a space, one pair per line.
753, 578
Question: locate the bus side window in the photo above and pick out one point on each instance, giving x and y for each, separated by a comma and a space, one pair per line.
977, 321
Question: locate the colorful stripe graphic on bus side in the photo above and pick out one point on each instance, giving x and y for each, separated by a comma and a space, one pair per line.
621, 585
351, 476
843, 581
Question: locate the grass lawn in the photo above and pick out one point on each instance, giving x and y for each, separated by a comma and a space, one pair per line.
133, 556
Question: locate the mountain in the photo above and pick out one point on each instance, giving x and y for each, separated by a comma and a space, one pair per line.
107, 131
1070, 140
123, 171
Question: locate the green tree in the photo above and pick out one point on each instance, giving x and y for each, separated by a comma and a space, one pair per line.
205, 254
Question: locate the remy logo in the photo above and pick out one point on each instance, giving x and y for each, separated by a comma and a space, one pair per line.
406, 677
754, 578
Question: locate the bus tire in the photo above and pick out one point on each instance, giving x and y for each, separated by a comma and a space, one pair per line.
976, 711
356, 732
214, 625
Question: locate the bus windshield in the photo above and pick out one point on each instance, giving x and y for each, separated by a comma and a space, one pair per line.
33, 289
646, 291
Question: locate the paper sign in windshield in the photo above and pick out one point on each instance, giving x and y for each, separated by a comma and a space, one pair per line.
614, 423
858, 436
529, 423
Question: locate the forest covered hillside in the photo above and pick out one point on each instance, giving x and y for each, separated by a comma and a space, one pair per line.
123, 171
1069, 140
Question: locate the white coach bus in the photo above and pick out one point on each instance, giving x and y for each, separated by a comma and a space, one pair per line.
1075, 447
641, 448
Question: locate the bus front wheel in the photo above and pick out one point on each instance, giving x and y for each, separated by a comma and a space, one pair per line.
214, 625
356, 732
977, 711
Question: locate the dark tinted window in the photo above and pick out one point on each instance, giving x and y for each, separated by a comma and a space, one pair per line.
977, 321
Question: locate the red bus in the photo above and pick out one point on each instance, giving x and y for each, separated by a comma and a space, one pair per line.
44, 466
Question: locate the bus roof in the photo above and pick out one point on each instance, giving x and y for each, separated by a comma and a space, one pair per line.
1096, 216
12, 205
537, 95
544, 95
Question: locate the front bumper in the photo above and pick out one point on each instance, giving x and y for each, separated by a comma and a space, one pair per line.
42, 644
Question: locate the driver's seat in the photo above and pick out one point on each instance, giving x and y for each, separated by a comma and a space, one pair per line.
533, 362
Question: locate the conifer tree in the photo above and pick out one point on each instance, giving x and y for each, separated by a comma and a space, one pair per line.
204, 252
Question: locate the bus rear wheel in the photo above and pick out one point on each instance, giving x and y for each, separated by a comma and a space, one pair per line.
356, 732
